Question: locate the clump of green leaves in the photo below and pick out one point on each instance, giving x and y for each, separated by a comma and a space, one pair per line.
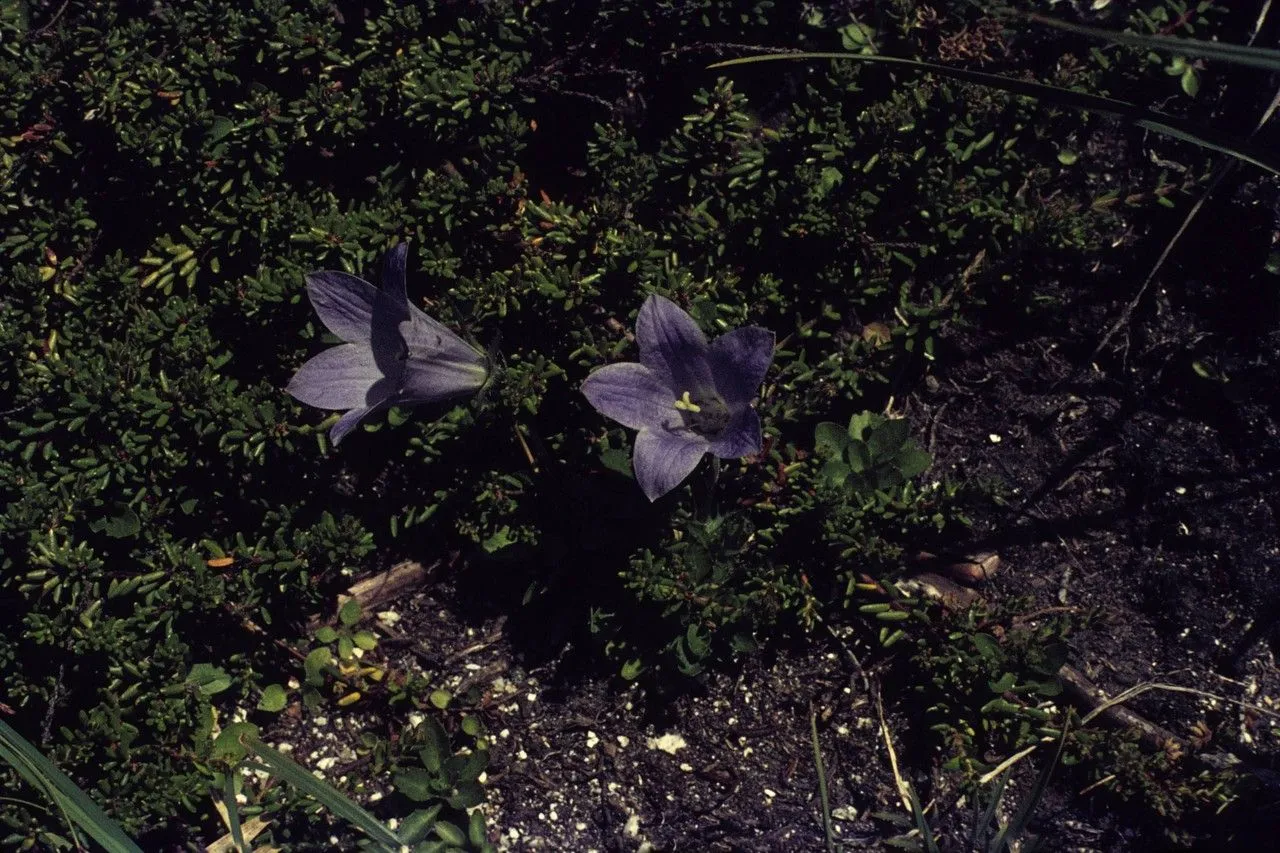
990, 682
444, 783
873, 454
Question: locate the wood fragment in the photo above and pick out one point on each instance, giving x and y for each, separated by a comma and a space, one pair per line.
380, 589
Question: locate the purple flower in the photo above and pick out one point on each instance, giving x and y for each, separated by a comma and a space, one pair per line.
686, 398
394, 355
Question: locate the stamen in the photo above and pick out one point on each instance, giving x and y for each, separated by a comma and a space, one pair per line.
685, 404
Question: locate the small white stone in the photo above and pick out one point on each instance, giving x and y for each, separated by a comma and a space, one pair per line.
632, 826
670, 743
995, 438
687, 768
624, 741
388, 617
592, 739
531, 697
770, 793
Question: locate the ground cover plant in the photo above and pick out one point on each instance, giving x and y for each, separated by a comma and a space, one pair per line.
555, 443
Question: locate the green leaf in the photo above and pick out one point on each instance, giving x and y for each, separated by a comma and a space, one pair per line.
829, 440
889, 437
326, 634
617, 460
835, 473
208, 679
987, 646
415, 827
912, 461
416, 784
219, 130
121, 525
450, 834
500, 539
475, 830
858, 455
71, 800
436, 749
1190, 82
466, 795
860, 423
315, 664
1003, 683
274, 698
698, 645
231, 744
349, 613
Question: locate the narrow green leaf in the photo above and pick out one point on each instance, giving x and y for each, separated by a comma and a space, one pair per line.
1152, 120
1237, 54
74, 803
327, 795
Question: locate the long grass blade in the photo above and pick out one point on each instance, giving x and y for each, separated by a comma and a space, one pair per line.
982, 826
922, 821
1152, 120
1017, 827
327, 795
79, 809
822, 782
1237, 54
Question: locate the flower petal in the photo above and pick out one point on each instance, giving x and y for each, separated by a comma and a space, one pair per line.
427, 337
393, 271
673, 347
662, 459
632, 395
429, 381
342, 377
344, 303
390, 316
740, 438
739, 361
348, 422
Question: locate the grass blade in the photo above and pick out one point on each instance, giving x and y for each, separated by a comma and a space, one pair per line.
822, 782
1237, 54
922, 821
324, 793
1017, 827
75, 804
1152, 120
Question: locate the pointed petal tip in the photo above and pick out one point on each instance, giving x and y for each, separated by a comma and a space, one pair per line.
662, 460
